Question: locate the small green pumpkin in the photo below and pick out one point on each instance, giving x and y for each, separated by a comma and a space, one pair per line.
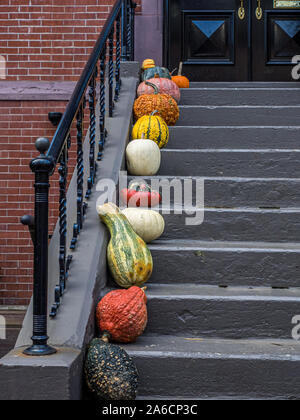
152, 72
110, 373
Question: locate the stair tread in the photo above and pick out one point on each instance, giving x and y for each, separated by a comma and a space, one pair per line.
215, 348
198, 291
224, 245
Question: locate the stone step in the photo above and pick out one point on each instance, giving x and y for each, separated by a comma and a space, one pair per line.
244, 137
236, 85
226, 263
239, 115
234, 192
240, 96
239, 224
231, 163
210, 311
216, 369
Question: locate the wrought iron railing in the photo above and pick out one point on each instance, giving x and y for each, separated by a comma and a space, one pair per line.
115, 44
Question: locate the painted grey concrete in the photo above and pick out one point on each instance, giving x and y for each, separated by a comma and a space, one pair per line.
58, 377
236, 192
234, 96
231, 163
250, 85
210, 311
182, 368
226, 263
74, 325
225, 137
239, 116
267, 225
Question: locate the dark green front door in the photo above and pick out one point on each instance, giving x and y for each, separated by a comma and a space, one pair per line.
233, 40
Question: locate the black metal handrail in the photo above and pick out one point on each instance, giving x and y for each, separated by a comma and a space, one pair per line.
115, 44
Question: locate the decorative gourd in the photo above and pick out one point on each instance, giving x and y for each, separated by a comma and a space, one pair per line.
123, 314
165, 106
148, 224
164, 86
110, 373
143, 157
150, 73
140, 194
153, 127
129, 258
181, 81
148, 64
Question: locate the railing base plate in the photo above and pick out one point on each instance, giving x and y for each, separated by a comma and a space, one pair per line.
39, 350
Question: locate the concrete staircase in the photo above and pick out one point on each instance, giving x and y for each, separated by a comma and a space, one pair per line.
223, 294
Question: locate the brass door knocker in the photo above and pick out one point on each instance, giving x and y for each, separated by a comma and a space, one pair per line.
241, 11
259, 10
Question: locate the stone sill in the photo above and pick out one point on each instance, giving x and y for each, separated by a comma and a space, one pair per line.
36, 91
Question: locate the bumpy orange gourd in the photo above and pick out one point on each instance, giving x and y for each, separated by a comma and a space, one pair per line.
181, 81
165, 86
123, 314
165, 106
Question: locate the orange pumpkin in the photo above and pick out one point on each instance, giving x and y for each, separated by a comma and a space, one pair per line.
181, 81
164, 85
165, 106
123, 314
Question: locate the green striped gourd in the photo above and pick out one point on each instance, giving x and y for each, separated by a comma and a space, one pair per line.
129, 259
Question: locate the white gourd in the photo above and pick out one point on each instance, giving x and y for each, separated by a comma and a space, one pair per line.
148, 224
143, 157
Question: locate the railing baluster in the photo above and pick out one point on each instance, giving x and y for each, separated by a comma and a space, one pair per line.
63, 264
92, 107
111, 72
80, 170
118, 58
103, 132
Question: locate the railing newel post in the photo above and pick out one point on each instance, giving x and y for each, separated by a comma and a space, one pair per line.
43, 167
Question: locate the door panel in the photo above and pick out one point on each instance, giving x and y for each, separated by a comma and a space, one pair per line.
215, 44
209, 38
275, 41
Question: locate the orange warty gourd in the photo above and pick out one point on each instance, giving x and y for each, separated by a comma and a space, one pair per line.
164, 86
123, 314
165, 106
181, 81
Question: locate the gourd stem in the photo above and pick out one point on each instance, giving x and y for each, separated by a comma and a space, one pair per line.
173, 71
144, 289
153, 113
105, 337
180, 69
156, 90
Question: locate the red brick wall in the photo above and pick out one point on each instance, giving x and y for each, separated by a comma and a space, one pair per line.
20, 124
49, 39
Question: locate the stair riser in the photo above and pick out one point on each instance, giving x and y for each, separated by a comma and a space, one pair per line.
232, 268
244, 193
236, 226
236, 85
231, 164
215, 377
233, 138
230, 318
235, 97
238, 116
